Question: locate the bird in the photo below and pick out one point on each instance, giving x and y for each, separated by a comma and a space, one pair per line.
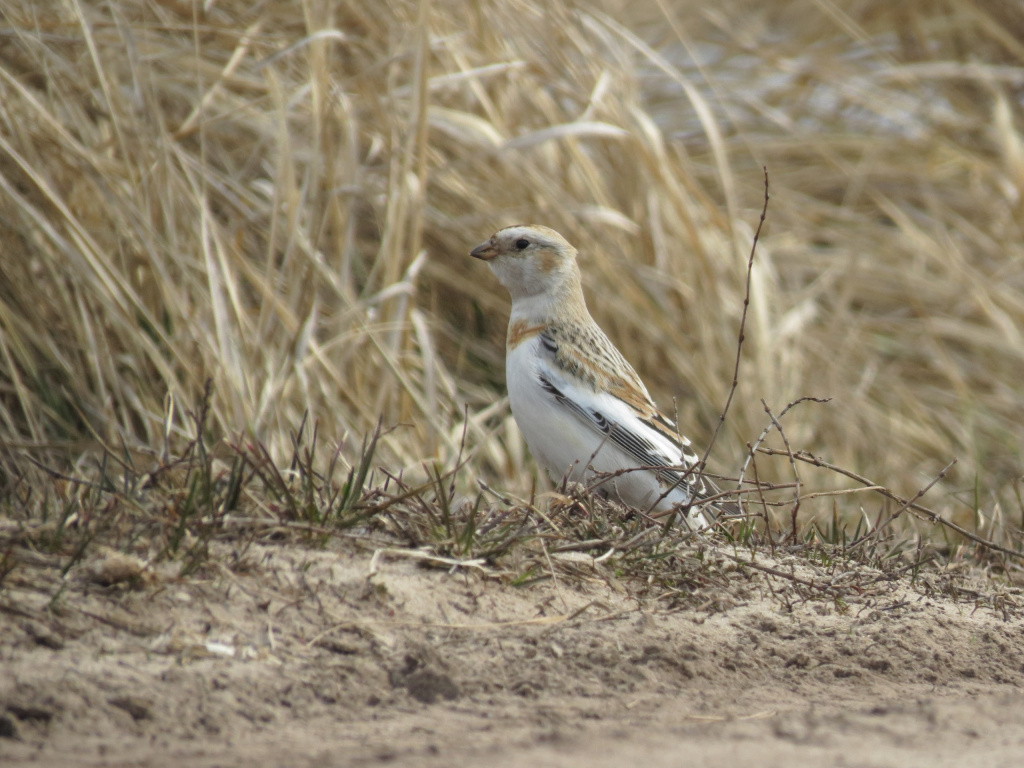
581, 407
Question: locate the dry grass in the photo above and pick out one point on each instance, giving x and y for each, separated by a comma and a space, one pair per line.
280, 197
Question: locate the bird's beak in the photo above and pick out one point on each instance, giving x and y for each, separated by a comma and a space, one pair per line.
485, 251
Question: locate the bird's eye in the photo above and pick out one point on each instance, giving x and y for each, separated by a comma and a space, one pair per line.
521, 244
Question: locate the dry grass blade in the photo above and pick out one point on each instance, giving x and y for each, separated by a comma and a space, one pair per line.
279, 197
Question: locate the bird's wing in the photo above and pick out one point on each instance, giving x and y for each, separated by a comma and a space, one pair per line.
610, 399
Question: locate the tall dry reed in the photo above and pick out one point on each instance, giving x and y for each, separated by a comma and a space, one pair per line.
280, 196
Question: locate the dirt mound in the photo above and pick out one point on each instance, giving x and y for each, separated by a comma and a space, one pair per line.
342, 657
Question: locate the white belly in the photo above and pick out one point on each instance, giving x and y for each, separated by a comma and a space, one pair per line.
561, 444
567, 447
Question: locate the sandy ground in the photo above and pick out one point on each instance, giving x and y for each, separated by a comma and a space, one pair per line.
305, 657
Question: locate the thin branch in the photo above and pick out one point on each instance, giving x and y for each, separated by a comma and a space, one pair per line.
930, 514
751, 449
743, 325
903, 507
792, 463
735, 372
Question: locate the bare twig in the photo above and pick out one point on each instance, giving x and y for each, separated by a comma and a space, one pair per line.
764, 510
903, 507
735, 372
743, 325
930, 514
792, 463
782, 574
751, 449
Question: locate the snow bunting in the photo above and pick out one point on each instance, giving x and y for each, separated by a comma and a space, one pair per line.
579, 404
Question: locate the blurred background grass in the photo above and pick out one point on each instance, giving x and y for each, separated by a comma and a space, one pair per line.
280, 196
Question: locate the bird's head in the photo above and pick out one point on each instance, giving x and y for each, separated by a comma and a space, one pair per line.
530, 260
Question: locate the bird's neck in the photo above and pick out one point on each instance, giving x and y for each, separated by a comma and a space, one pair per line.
565, 303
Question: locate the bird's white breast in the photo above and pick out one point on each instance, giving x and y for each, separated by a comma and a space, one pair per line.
557, 439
